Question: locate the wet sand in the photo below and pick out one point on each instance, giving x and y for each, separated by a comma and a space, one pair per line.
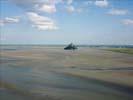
51, 73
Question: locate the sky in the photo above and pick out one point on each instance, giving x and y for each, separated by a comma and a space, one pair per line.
88, 22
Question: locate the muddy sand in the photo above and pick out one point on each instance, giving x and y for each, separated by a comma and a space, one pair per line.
51, 73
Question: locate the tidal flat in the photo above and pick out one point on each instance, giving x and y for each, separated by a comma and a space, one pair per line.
52, 73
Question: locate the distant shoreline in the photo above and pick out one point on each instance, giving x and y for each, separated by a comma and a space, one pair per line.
60, 45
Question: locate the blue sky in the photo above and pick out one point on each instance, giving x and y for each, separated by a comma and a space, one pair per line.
65, 21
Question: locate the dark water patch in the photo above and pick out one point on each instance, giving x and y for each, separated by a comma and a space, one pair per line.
10, 91
107, 69
118, 87
8, 49
15, 47
11, 59
8, 60
24, 84
28, 78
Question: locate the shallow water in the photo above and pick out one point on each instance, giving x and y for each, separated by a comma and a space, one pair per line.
25, 79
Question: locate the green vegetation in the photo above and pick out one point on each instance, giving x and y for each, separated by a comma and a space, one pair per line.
122, 50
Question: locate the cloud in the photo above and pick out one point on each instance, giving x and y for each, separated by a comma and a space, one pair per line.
101, 3
127, 21
41, 6
79, 10
41, 22
69, 2
118, 12
47, 8
25, 4
9, 20
88, 2
70, 9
